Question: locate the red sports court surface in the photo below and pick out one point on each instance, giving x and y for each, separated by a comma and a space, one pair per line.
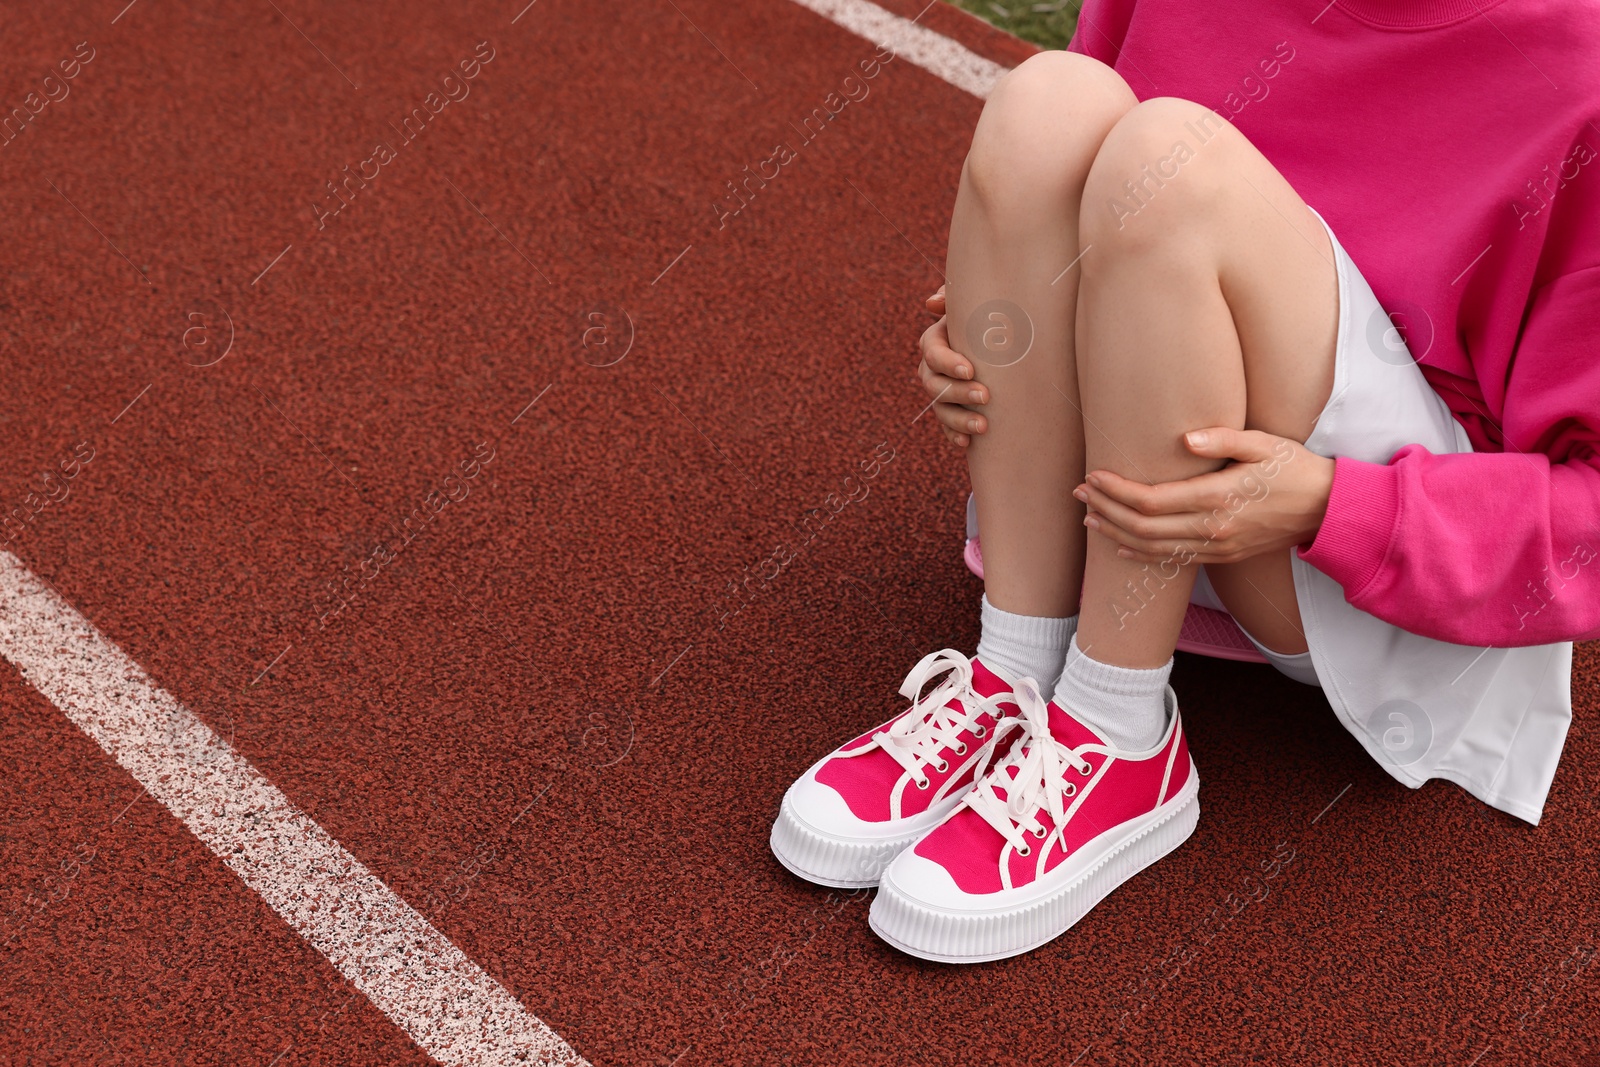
539, 630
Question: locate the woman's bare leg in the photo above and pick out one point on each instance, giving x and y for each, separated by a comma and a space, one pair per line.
1214, 303
1012, 288
1208, 298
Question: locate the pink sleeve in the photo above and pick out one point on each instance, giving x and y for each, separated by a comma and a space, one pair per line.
1494, 548
1102, 27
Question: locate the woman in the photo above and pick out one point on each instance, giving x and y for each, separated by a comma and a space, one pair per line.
1172, 382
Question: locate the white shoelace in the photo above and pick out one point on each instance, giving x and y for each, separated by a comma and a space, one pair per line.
935, 721
1040, 781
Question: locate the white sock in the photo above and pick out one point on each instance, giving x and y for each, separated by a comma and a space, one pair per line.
1124, 705
1024, 646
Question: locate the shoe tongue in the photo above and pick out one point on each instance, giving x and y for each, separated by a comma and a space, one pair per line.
987, 683
1066, 728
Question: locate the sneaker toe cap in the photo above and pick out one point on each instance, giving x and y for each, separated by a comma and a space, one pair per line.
918, 880
823, 811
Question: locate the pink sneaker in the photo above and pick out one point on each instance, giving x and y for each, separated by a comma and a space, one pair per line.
856, 808
1060, 821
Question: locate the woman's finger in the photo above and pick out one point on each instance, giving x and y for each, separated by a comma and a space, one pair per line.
1112, 512
945, 390
1115, 531
1160, 534
958, 419
1181, 538
945, 375
1180, 553
1196, 494
1158, 549
938, 354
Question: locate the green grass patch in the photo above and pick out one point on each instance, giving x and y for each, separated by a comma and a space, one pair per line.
1047, 23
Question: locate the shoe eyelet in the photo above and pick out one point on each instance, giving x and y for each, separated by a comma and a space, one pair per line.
1070, 790
923, 784
1040, 832
1086, 770
1024, 851
943, 765
979, 730
961, 748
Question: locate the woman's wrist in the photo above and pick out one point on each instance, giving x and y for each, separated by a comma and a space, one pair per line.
1321, 485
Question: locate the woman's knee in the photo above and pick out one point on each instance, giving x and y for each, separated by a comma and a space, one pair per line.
1155, 173
1041, 128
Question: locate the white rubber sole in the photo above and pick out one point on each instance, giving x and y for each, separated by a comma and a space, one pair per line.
1040, 912
829, 861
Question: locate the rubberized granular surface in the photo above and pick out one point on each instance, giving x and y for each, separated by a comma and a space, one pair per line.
530, 509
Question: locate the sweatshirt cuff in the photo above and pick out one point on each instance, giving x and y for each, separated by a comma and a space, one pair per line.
1363, 513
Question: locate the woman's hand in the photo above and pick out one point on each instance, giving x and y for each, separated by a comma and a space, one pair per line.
1274, 495
946, 375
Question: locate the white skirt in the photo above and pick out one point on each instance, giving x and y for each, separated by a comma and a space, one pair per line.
1492, 720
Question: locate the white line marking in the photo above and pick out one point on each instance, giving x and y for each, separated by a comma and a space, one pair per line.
917, 45
524, 11
411, 972
124, 11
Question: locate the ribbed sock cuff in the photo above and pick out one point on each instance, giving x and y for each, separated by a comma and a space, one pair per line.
1024, 646
1111, 679
1035, 631
1125, 705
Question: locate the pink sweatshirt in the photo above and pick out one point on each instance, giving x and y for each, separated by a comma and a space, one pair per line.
1454, 147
